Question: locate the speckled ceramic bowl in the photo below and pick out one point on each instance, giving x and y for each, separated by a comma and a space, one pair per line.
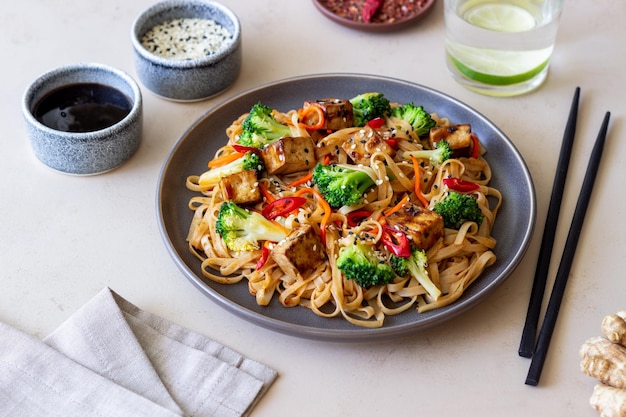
183, 79
91, 152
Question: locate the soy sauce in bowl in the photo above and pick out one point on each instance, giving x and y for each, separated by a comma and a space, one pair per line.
82, 107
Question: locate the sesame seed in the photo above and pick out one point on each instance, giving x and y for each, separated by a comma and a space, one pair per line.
186, 38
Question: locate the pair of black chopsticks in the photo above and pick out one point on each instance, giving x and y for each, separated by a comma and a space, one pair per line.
528, 348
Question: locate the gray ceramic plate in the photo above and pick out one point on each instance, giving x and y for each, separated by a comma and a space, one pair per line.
513, 228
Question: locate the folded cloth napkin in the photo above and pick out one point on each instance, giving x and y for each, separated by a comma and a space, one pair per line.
113, 359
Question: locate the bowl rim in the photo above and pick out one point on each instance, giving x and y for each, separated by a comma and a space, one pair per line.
231, 46
41, 80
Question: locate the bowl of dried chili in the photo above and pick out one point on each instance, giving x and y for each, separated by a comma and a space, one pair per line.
375, 15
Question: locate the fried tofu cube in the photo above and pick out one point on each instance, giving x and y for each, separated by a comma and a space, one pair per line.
459, 137
288, 155
363, 143
300, 252
424, 227
338, 114
241, 187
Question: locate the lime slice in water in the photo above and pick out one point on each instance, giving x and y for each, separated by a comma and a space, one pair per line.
501, 17
497, 67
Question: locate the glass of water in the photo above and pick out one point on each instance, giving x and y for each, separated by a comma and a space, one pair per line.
500, 47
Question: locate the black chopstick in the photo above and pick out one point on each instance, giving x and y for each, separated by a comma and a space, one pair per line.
547, 327
529, 334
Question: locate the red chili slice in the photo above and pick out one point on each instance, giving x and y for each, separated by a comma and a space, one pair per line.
396, 242
458, 184
265, 254
393, 142
475, 146
376, 122
282, 207
356, 217
244, 149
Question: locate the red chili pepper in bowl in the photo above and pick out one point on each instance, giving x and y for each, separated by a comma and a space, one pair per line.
282, 207
370, 8
460, 185
396, 242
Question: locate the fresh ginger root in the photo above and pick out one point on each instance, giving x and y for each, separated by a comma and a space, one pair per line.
605, 361
609, 401
614, 327
604, 358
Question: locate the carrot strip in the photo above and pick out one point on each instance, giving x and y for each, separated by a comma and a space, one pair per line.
224, 159
397, 207
320, 117
280, 226
418, 179
302, 180
308, 177
325, 206
269, 197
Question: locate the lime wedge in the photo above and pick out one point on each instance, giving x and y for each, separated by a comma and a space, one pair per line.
500, 17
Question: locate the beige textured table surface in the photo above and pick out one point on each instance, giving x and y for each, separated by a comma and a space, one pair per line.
64, 238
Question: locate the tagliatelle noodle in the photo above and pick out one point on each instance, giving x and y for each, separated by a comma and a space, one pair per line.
454, 262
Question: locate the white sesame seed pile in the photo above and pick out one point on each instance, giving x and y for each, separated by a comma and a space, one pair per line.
186, 38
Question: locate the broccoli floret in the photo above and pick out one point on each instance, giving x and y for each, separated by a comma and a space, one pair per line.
416, 116
260, 128
457, 209
249, 161
368, 106
340, 185
437, 156
242, 229
415, 265
361, 263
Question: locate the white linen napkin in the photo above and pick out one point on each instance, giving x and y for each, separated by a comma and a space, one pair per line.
112, 358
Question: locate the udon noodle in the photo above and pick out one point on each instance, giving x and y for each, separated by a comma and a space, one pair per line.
455, 260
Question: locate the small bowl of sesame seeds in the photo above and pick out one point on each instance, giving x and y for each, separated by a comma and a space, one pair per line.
187, 50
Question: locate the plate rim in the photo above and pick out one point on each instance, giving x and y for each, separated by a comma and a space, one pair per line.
359, 334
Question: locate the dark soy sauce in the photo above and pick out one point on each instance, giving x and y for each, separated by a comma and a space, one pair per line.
84, 107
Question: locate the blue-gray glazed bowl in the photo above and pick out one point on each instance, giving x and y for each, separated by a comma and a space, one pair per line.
187, 79
91, 152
